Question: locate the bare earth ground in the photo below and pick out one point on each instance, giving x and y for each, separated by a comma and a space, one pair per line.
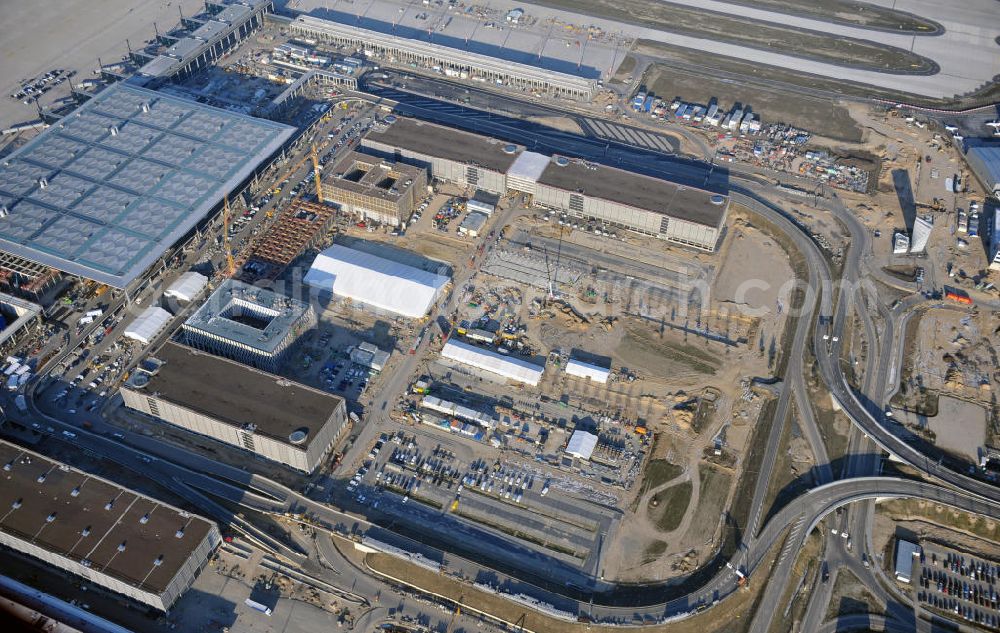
38, 36
819, 116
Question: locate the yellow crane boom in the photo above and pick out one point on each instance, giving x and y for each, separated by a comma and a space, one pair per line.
230, 262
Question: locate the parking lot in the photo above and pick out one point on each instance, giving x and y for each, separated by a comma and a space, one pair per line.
959, 584
449, 475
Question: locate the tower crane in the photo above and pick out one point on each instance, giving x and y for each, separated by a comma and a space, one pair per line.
454, 614
230, 262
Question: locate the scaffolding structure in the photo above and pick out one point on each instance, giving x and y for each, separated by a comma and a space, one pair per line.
19, 276
300, 226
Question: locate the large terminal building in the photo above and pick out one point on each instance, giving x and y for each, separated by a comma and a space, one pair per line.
107, 190
459, 48
623, 199
111, 536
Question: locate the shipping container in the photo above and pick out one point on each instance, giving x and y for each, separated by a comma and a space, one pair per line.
647, 106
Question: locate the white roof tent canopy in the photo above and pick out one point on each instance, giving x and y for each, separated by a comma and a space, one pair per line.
374, 281
187, 287
512, 368
585, 370
148, 325
581, 444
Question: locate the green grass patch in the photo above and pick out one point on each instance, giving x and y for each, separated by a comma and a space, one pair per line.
658, 472
668, 507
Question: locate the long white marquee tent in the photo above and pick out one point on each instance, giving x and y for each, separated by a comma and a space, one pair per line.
148, 325
581, 369
376, 282
480, 358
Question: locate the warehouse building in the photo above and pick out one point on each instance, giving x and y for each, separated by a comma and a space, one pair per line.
984, 159
449, 59
614, 198
18, 319
630, 201
449, 155
108, 535
106, 191
375, 283
270, 416
252, 325
375, 189
515, 369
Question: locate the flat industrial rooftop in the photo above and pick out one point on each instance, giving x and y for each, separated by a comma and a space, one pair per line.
106, 191
239, 395
636, 190
107, 528
446, 142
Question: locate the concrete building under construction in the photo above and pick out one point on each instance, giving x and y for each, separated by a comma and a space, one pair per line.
251, 325
375, 188
300, 226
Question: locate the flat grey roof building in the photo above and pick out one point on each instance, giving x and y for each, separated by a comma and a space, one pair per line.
636, 190
229, 391
239, 396
111, 535
447, 142
247, 314
108, 189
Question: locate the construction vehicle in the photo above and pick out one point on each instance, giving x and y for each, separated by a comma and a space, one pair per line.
454, 504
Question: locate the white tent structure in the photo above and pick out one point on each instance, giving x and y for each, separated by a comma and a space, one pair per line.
586, 370
922, 228
187, 287
512, 368
581, 444
376, 282
148, 325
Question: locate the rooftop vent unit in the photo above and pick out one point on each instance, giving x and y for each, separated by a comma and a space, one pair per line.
510, 148
4, 211
75, 492
109, 504
41, 478
144, 519
121, 546
17, 503
562, 161
179, 533
298, 436
85, 531
158, 561
43, 183
50, 518
113, 130
717, 199
145, 107
8, 466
